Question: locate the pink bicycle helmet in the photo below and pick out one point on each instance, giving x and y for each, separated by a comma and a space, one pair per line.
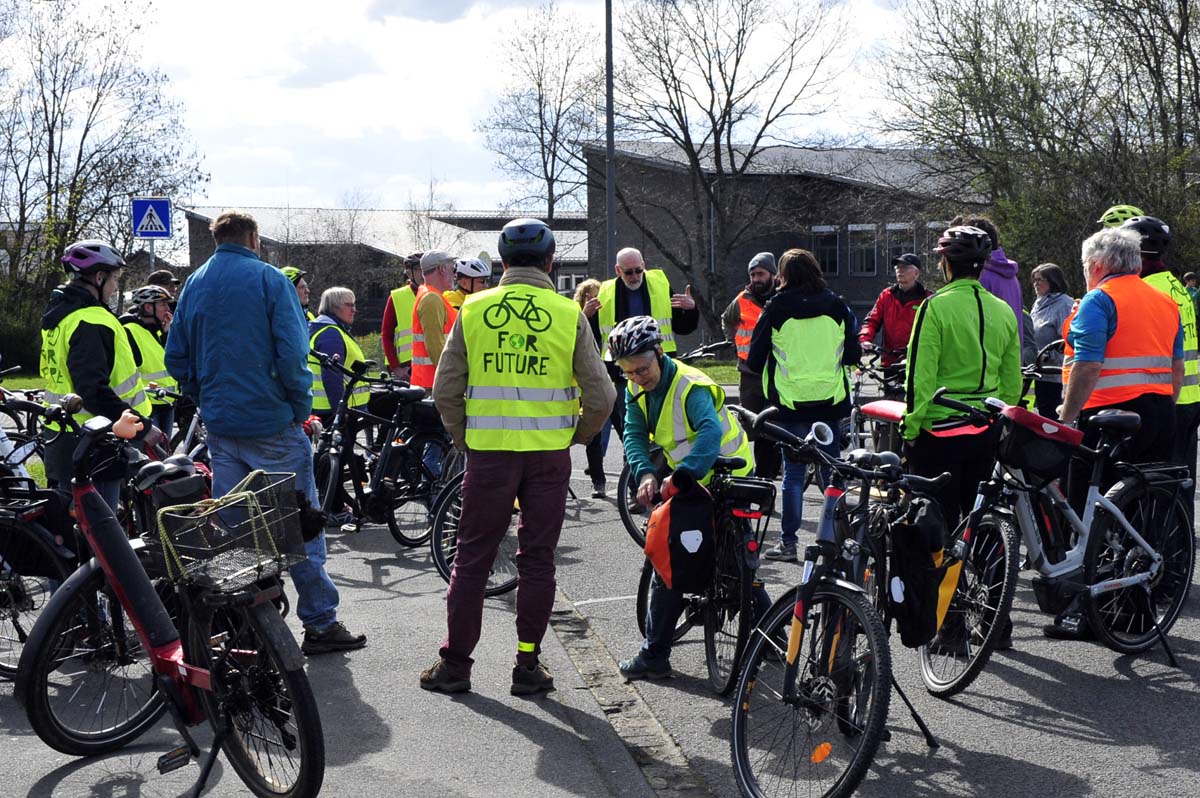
91, 256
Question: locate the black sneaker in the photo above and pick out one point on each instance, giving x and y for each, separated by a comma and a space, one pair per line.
530, 681
332, 638
437, 677
638, 668
1069, 626
599, 490
951, 639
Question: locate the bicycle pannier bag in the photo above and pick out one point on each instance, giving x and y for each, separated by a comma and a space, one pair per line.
1040, 447
921, 580
681, 539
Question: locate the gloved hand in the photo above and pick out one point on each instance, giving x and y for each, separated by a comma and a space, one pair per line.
312, 426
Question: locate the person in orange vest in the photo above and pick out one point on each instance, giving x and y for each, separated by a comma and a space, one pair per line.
433, 316
396, 331
738, 322
1124, 350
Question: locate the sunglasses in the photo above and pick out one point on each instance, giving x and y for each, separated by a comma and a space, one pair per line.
632, 272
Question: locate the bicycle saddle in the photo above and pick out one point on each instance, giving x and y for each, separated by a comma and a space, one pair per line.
1116, 421
408, 394
729, 463
862, 458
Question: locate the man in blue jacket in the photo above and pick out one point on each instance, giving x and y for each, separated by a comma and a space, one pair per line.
239, 348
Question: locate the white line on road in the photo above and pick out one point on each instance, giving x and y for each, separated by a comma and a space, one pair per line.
603, 600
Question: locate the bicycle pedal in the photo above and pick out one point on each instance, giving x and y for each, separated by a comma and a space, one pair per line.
349, 529
174, 759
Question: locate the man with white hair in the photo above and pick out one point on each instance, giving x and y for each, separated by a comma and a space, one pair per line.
433, 316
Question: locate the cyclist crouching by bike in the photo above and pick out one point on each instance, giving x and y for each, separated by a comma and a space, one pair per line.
682, 410
894, 312
801, 344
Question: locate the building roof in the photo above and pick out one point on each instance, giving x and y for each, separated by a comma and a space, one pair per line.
394, 232
894, 169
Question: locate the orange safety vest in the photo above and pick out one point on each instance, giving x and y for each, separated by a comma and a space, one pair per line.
749, 312
1137, 359
423, 367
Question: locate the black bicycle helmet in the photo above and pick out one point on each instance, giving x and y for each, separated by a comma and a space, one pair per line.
964, 244
1155, 233
526, 236
633, 336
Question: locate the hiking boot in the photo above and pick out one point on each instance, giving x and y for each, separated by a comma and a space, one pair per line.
599, 490
530, 681
1003, 641
438, 677
335, 637
638, 668
781, 551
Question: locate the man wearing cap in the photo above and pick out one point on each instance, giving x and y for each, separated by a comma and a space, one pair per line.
302, 293
432, 316
165, 279
738, 322
396, 330
895, 310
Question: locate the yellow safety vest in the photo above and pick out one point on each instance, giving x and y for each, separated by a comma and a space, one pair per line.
660, 308
456, 297
521, 390
806, 363
674, 432
361, 393
154, 365
1170, 285
123, 378
404, 299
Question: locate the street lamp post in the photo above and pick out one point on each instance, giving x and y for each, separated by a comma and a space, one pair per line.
610, 180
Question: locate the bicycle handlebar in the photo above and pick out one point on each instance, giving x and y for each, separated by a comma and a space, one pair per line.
401, 390
704, 351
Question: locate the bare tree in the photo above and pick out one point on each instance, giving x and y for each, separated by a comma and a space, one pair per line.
426, 232
538, 125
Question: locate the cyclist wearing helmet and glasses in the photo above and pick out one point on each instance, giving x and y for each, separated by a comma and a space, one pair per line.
147, 321
471, 275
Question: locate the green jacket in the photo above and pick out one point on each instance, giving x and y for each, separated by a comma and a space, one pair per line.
966, 340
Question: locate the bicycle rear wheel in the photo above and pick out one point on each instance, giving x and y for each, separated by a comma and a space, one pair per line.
727, 608
691, 615
85, 681
822, 741
30, 571
1129, 619
262, 697
978, 611
444, 542
417, 486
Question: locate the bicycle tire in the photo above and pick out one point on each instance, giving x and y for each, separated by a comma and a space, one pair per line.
30, 571
634, 517
11, 421
1128, 620
326, 470
981, 605
687, 618
410, 518
444, 542
768, 760
727, 608
263, 695
84, 631
28, 452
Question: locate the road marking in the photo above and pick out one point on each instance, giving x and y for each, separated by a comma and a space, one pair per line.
602, 600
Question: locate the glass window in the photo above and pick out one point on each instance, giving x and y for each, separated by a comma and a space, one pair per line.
861, 248
900, 239
824, 247
567, 283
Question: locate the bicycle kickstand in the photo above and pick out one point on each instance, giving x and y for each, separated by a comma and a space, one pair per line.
1162, 638
210, 759
930, 740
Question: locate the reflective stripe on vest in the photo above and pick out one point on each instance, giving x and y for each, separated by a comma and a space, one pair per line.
1167, 283
1137, 359
403, 302
749, 312
521, 392
674, 432
806, 362
354, 354
423, 367
153, 367
659, 288
123, 379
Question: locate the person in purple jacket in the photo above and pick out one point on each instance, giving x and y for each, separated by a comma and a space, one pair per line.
999, 273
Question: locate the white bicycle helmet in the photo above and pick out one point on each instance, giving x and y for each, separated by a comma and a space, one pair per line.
472, 267
148, 294
633, 336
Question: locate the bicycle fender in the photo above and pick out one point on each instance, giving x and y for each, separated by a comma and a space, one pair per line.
266, 619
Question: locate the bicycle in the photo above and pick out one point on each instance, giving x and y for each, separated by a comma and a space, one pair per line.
813, 695
443, 541
236, 667
19, 409
1132, 558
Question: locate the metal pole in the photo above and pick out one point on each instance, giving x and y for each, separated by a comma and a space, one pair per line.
152, 254
610, 181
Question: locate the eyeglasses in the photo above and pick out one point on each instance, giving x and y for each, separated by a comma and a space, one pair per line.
1040, 280
640, 371
632, 272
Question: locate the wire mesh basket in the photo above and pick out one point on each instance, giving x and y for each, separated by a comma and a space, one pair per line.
250, 534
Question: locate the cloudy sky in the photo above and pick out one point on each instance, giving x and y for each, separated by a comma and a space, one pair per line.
307, 102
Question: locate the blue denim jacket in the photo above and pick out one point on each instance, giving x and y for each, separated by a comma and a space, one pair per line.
238, 345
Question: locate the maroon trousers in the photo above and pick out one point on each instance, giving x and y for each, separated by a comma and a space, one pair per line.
539, 480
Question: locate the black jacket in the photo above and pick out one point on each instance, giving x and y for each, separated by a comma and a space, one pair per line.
683, 321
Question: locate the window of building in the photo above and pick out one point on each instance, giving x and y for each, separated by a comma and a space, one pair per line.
933, 231
568, 281
861, 250
824, 247
900, 239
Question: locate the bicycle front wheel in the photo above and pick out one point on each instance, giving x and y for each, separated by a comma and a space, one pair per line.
688, 618
260, 697
444, 543
727, 608
30, 571
820, 737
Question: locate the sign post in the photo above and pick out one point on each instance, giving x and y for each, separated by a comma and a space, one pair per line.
151, 217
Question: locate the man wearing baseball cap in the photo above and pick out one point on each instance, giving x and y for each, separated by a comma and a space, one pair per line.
738, 322
895, 310
396, 329
433, 316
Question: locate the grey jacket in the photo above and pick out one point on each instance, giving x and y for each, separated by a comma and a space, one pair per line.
1048, 313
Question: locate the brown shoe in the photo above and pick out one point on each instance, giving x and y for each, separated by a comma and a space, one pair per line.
438, 677
335, 637
530, 681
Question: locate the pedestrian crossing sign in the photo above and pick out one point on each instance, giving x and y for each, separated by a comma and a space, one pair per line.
151, 217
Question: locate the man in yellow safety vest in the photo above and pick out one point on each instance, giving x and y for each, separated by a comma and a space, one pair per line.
396, 331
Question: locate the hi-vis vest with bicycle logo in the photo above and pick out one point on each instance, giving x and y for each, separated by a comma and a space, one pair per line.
403, 302
659, 289
674, 432
521, 390
1137, 359
154, 361
1167, 283
124, 378
807, 361
423, 367
361, 393
748, 313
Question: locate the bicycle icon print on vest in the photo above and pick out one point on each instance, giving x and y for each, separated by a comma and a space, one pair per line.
520, 305
516, 352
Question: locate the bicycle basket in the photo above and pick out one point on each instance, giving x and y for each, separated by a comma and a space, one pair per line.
226, 544
1039, 446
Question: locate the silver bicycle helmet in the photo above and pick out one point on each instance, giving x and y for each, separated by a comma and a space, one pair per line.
633, 336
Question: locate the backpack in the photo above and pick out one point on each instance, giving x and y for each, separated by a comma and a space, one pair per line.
681, 537
921, 579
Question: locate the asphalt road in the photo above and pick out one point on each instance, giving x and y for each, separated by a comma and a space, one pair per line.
1048, 718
